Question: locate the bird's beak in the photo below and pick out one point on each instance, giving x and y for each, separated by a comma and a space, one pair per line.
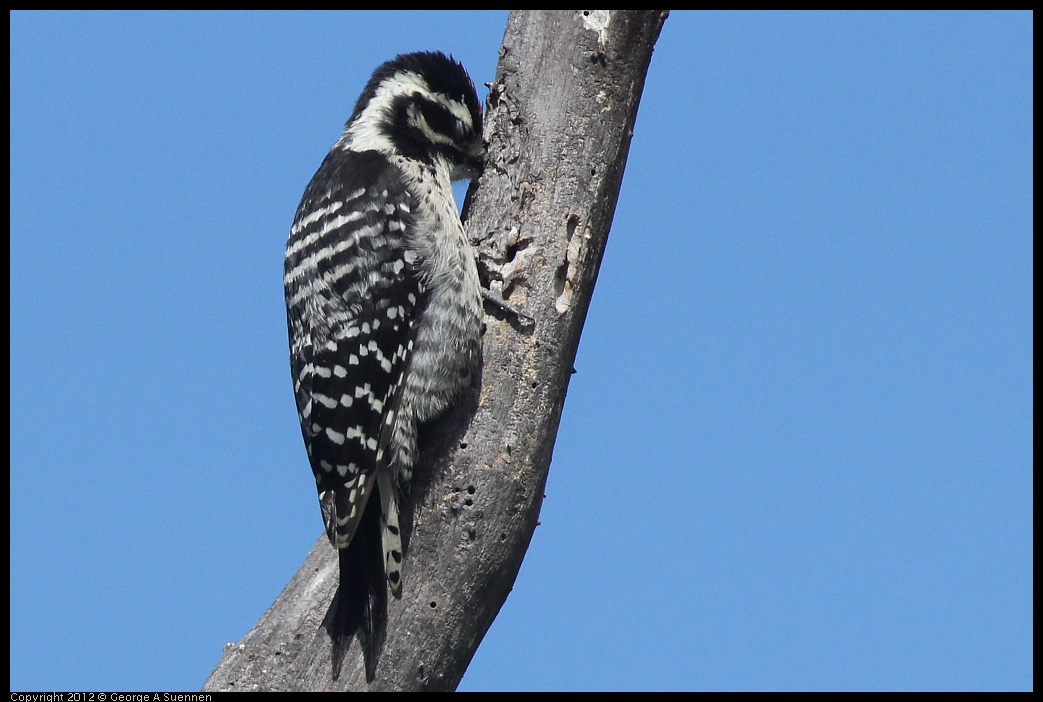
474, 164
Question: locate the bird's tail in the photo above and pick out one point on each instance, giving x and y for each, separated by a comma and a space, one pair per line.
361, 601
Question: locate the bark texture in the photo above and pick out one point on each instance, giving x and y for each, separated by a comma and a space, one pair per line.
560, 116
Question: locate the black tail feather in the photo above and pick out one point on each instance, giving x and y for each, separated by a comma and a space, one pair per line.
360, 604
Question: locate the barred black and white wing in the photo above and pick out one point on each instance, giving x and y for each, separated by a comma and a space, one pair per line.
353, 296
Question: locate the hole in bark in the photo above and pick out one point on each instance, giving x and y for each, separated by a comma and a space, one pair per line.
560, 276
571, 222
513, 249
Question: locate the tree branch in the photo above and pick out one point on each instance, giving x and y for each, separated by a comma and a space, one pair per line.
560, 119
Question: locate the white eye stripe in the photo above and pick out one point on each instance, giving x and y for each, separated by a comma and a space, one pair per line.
453, 131
365, 133
455, 107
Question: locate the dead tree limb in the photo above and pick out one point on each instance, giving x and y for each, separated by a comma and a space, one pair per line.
561, 112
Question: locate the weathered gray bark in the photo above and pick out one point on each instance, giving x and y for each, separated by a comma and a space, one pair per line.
560, 119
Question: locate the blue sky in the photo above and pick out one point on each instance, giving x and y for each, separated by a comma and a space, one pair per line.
797, 451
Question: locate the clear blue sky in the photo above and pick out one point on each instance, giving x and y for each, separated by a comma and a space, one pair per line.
797, 453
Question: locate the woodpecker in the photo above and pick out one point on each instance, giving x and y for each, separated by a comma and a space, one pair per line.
384, 311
